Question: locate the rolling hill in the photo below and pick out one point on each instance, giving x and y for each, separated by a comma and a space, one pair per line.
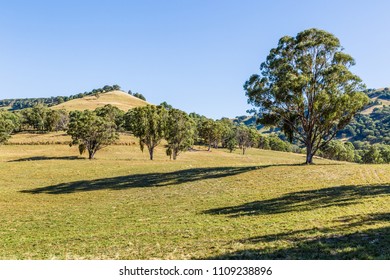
120, 99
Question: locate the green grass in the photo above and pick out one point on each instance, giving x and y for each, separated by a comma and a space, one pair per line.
206, 205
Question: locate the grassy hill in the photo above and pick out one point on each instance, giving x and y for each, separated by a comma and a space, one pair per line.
379, 99
120, 99
370, 109
205, 205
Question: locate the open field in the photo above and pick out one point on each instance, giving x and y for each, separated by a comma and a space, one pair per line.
116, 98
57, 205
58, 138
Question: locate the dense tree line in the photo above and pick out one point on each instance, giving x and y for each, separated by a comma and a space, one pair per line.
43, 119
152, 124
360, 152
94, 130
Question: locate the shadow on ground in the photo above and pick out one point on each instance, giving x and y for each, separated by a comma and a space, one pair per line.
144, 180
46, 158
304, 201
325, 243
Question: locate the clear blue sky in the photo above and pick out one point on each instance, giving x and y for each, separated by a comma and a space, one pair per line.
195, 55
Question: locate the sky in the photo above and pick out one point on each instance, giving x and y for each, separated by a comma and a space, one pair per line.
195, 55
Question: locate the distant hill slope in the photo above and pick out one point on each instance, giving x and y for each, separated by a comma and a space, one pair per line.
120, 99
379, 99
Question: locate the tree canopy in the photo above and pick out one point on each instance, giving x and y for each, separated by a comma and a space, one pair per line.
306, 88
7, 125
91, 131
180, 129
148, 124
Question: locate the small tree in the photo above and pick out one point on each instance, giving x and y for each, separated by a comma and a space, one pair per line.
166, 105
372, 155
140, 96
7, 125
228, 139
205, 131
263, 142
148, 124
231, 140
305, 88
56, 120
91, 132
211, 132
179, 132
246, 137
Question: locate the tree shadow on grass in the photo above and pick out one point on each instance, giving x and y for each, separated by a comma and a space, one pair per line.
304, 201
324, 243
38, 158
144, 180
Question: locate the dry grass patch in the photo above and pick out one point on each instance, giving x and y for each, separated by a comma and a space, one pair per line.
116, 98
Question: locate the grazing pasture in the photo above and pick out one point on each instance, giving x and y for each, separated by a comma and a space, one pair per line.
55, 204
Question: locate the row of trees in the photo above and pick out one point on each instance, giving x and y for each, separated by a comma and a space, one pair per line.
137, 94
93, 130
43, 119
39, 118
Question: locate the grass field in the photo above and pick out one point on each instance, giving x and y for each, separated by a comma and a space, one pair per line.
58, 138
206, 205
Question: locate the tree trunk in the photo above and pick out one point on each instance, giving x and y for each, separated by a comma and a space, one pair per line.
309, 154
243, 150
174, 155
151, 153
91, 154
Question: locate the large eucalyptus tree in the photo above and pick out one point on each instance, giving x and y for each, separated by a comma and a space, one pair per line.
306, 88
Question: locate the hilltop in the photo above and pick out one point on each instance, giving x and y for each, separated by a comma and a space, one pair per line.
120, 99
92, 100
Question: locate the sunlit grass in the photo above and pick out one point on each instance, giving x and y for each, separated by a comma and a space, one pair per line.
116, 98
55, 204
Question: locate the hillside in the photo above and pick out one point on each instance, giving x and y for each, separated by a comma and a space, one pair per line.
379, 99
120, 99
